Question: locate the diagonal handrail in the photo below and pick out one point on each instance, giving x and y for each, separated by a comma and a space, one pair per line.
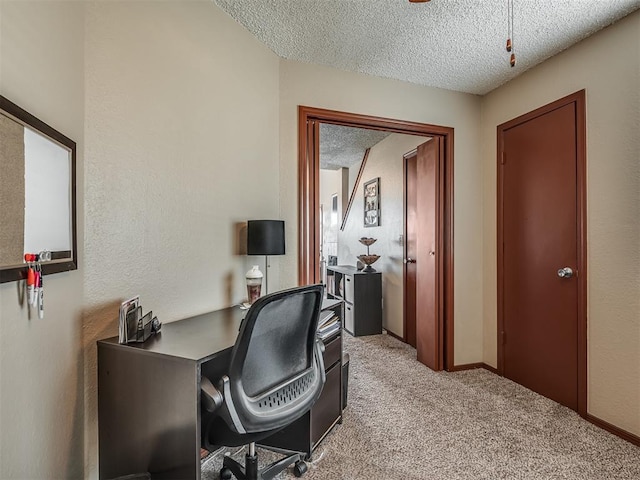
355, 187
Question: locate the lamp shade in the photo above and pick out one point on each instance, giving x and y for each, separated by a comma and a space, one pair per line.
265, 237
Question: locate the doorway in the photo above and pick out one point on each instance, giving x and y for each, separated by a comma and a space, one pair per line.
542, 251
441, 344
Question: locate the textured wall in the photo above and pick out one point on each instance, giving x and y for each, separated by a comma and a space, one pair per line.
607, 65
316, 86
385, 161
41, 362
182, 143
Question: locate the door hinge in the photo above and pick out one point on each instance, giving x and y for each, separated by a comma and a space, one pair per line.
503, 158
504, 338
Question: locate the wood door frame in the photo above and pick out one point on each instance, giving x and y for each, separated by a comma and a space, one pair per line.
405, 158
309, 201
577, 98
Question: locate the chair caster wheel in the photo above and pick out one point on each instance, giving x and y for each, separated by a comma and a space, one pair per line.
225, 474
300, 468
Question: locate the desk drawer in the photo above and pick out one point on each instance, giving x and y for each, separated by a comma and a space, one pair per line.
326, 410
332, 352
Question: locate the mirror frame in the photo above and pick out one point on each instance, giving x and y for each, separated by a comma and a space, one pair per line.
56, 265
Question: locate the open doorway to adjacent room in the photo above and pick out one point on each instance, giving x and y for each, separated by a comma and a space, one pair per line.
341, 152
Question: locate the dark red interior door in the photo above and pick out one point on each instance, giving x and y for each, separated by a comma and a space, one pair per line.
428, 335
539, 206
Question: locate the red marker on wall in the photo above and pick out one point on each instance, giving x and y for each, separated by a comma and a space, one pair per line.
31, 278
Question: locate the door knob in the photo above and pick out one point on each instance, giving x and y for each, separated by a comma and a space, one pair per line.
409, 260
565, 272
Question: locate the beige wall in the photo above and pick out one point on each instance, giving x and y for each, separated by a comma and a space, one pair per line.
164, 105
607, 65
386, 162
182, 143
323, 87
330, 184
41, 362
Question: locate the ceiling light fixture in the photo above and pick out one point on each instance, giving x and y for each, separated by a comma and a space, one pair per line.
510, 47
419, 1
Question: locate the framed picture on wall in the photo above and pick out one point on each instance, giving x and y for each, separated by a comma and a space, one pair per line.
372, 203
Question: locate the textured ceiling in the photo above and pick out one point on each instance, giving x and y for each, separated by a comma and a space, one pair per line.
453, 44
345, 146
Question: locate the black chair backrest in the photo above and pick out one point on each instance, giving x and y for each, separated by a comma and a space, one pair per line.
276, 371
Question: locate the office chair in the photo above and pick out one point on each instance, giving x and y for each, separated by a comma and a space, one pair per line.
275, 375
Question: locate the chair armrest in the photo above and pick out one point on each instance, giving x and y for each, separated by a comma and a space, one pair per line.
211, 398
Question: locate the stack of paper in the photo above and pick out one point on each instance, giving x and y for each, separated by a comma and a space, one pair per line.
328, 325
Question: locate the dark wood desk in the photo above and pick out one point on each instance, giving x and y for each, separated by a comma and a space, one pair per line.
149, 395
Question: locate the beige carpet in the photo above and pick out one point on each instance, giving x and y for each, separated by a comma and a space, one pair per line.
406, 422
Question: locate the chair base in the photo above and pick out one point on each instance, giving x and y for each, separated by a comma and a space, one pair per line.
250, 471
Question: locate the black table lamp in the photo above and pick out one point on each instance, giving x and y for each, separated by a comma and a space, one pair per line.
265, 237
